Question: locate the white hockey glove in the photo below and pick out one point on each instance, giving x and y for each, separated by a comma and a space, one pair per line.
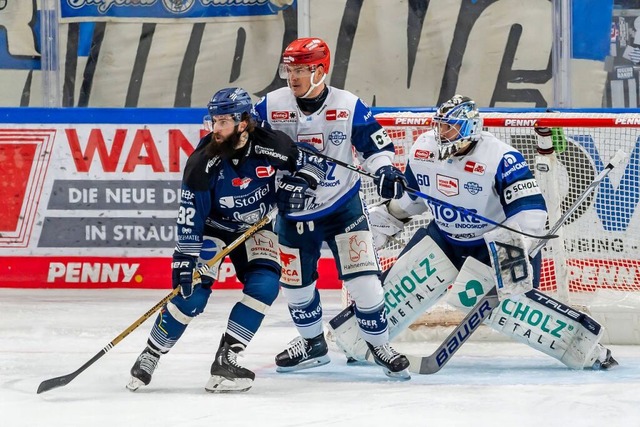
383, 224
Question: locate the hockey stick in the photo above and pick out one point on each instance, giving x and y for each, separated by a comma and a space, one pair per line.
66, 379
435, 361
427, 197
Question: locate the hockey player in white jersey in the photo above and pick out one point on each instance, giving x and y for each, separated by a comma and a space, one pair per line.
458, 163
335, 122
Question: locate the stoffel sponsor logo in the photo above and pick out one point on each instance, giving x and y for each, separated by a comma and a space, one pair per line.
520, 122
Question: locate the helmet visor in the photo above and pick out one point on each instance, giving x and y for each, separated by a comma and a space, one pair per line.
287, 71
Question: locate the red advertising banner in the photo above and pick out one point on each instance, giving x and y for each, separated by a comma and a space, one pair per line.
94, 205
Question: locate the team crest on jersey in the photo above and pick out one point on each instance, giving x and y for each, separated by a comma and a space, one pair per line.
447, 185
284, 116
336, 137
475, 167
314, 139
332, 115
177, 6
472, 187
265, 171
423, 155
241, 182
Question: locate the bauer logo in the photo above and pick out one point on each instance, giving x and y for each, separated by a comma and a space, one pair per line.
25, 155
93, 272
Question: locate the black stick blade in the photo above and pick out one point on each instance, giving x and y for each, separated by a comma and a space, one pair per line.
52, 383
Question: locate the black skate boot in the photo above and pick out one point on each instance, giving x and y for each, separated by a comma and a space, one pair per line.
303, 353
608, 362
226, 375
393, 363
142, 370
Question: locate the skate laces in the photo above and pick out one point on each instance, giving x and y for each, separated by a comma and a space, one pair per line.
385, 352
148, 361
232, 358
297, 347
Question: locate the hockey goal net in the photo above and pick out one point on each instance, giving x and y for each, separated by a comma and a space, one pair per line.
594, 265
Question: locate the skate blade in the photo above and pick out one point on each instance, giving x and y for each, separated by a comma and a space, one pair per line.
134, 384
400, 375
218, 384
307, 364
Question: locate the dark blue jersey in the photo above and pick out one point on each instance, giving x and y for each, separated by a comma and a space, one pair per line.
233, 194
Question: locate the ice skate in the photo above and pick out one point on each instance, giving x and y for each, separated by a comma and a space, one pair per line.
226, 374
143, 368
393, 363
303, 353
607, 361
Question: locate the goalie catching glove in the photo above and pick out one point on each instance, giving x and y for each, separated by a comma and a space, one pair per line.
383, 224
390, 182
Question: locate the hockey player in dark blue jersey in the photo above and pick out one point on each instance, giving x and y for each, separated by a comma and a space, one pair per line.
228, 185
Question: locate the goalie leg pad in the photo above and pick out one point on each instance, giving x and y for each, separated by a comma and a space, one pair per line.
534, 319
416, 282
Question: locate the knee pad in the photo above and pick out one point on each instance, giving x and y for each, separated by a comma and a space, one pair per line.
366, 292
262, 286
193, 305
300, 296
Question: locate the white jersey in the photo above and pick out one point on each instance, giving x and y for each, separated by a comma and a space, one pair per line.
493, 180
342, 123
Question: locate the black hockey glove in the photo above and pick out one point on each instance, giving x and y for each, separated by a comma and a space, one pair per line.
182, 273
390, 182
291, 194
312, 168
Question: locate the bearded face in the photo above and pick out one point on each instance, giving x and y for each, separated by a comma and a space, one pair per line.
224, 146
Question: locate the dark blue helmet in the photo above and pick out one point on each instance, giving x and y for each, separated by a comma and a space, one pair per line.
232, 100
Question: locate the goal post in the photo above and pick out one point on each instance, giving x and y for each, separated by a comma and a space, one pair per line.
595, 264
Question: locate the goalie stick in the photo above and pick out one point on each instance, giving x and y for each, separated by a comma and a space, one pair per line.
66, 379
427, 197
435, 361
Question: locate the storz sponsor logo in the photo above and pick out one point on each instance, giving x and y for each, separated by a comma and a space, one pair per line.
283, 116
332, 115
336, 137
447, 185
423, 155
472, 187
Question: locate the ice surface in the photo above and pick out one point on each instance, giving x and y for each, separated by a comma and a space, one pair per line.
48, 333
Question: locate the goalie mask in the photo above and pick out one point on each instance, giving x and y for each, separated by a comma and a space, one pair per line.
456, 124
233, 101
302, 58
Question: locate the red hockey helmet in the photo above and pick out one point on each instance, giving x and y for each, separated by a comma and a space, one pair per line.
307, 51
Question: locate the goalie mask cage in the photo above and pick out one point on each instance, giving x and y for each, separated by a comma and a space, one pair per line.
594, 265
